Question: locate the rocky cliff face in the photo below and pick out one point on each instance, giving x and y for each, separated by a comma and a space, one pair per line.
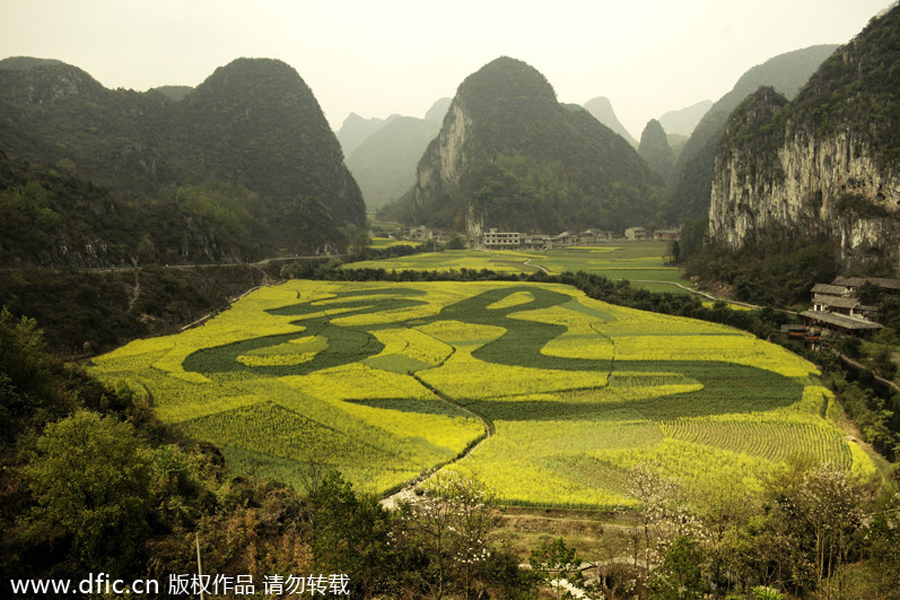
823, 165
832, 186
691, 175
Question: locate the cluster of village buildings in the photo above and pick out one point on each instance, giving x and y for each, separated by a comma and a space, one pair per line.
492, 239
836, 307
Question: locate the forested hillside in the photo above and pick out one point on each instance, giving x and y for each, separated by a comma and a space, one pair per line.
253, 125
509, 155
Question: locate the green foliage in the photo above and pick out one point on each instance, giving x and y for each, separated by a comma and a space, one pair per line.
767, 593
88, 312
349, 534
58, 219
554, 560
864, 406
29, 394
680, 576
777, 269
856, 90
754, 133
531, 164
91, 479
252, 125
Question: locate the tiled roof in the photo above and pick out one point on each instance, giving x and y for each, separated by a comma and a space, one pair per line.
840, 320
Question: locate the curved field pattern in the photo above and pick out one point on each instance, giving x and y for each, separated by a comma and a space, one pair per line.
563, 392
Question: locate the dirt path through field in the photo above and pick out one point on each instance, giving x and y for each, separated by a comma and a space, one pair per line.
407, 493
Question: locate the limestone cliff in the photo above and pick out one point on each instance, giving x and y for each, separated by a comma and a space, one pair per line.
825, 164
693, 170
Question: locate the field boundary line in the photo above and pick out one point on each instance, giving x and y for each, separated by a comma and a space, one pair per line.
407, 490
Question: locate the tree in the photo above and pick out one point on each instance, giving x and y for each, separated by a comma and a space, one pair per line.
355, 239
657, 497
726, 511
91, 481
679, 576
556, 562
349, 534
882, 540
30, 394
675, 252
451, 523
819, 511
830, 503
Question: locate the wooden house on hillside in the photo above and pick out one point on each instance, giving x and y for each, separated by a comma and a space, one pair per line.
836, 308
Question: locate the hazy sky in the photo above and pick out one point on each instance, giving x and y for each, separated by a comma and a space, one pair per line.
376, 57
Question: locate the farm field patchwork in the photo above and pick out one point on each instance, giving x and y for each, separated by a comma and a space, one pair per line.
564, 393
641, 262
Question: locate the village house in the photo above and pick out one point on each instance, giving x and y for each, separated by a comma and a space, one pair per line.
418, 233
667, 235
635, 233
498, 240
537, 242
891, 286
836, 308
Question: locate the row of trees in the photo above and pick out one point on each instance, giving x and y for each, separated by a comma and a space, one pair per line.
811, 530
800, 534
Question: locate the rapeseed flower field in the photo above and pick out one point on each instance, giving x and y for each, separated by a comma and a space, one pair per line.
558, 394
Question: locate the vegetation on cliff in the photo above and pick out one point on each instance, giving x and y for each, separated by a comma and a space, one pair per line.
510, 155
692, 175
823, 166
856, 90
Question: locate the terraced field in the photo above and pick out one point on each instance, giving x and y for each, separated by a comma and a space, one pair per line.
564, 393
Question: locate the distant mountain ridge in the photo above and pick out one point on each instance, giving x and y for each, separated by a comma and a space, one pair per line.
509, 155
685, 120
356, 129
602, 110
384, 164
253, 122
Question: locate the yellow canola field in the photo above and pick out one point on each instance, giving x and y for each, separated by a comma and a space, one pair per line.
384, 381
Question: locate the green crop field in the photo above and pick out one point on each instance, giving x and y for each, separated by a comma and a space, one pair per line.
641, 262
564, 393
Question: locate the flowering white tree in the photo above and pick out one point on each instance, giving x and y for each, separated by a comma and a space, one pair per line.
453, 519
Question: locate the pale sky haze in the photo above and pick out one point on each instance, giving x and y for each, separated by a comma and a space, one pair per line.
376, 58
